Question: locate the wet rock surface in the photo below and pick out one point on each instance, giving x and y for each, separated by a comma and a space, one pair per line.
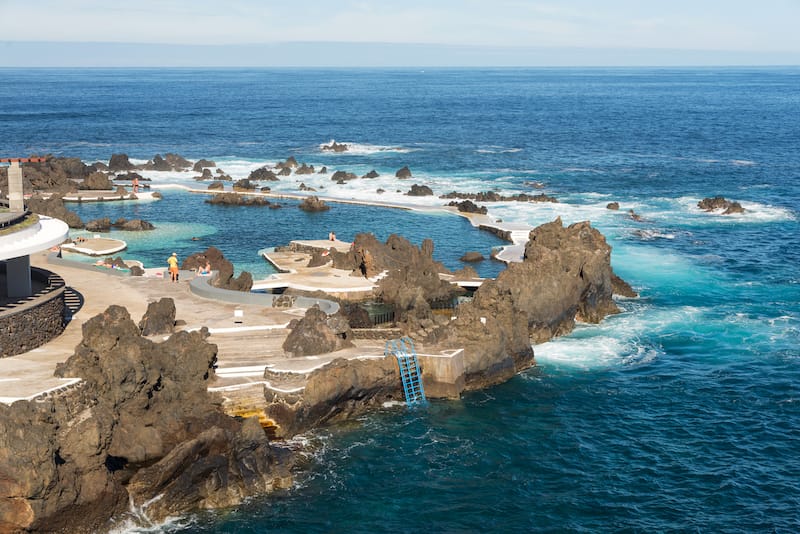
719, 203
313, 203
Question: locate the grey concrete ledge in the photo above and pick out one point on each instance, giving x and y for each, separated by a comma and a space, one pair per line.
54, 259
201, 286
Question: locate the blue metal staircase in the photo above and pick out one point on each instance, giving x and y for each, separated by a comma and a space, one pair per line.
403, 350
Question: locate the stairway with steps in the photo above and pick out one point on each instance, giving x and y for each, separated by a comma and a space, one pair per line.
410, 374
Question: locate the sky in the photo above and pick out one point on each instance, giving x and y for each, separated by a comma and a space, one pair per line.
499, 32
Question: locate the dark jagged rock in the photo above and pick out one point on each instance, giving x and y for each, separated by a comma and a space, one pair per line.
468, 206
357, 316
412, 281
323, 170
177, 162
159, 318
286, 171
104, 224
380, 191
621, 287
720, 203
265, 189
202, 164
493, 196
318, 333
136, 428
224, 268
313, 203
565, 276
235, 199
304, 187
635, 216
133, 225
120, 162
343, 176
472, 257
244, 185
206, 175
612, 206
333, 146
371, 174
216, 185
97, 181
54, 207
419, 191
158, 164
60, 175
99, 225
100, 166
136, 270
336, 392
319, 258
290, 163
305, 169
403, 173
263, 174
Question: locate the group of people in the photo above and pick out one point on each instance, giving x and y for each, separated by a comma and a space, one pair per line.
174, 270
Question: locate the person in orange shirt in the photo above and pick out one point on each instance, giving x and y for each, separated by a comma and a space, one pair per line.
172, 261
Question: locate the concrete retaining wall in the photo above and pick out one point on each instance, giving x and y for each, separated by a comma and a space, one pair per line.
35, 321
201, 286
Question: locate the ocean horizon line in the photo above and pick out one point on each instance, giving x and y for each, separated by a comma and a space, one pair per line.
344, 54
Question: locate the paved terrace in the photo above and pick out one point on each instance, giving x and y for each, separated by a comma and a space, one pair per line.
249, 337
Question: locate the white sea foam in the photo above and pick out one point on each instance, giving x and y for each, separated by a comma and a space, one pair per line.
743, 162
618, 340
754, 212
493, 149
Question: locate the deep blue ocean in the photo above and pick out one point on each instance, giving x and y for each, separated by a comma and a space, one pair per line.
680, 414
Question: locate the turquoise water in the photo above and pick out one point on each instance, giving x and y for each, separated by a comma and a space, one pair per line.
680, 414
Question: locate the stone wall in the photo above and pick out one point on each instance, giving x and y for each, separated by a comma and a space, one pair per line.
33, 327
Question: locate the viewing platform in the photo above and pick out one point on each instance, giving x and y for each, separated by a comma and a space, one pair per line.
95, 246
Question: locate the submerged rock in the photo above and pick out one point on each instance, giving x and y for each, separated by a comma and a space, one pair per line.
472, 257
313, 203
333, 146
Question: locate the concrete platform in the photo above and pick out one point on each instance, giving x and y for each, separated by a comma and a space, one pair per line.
96, 246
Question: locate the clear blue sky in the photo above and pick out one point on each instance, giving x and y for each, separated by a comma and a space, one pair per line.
675, 31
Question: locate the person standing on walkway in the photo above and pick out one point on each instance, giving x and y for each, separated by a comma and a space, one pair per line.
172, 261
135, 184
